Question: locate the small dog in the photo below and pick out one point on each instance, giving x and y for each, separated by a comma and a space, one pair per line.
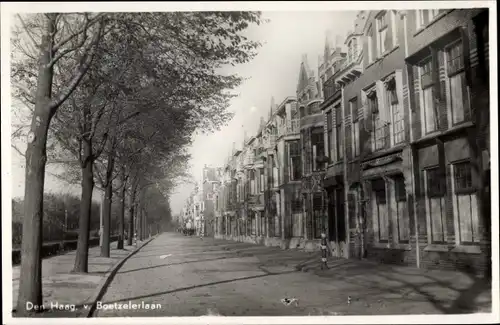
289, 301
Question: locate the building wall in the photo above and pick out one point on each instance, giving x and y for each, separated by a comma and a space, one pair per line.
450, 144
408, 159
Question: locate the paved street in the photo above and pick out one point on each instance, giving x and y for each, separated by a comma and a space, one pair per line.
189, 276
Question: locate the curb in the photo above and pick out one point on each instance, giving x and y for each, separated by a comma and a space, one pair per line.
101, 289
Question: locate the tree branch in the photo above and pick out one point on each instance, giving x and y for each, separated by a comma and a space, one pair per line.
88, 24
87, 57
35, 44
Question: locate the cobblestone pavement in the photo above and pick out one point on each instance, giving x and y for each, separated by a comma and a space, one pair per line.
176, 275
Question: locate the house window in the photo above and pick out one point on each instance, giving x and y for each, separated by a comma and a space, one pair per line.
435, 205
338, 133
398, 126
394, 17
380, 210
424, 17
296, 207
456, 82
353, 103
465, 209
329, 131
318, 147
427, 98
382, 29
402, 217
380, 126
370, 45
317, 215
262, 179
295, 163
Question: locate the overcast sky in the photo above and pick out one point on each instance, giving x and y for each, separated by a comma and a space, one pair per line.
274, 72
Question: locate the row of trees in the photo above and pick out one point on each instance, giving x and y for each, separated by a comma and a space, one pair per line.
115, 98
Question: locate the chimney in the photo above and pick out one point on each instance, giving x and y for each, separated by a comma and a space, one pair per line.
234, 148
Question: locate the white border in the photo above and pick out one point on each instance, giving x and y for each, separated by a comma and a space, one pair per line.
8, 8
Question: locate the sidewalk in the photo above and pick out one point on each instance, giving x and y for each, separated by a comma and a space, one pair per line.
390, 289
61, 286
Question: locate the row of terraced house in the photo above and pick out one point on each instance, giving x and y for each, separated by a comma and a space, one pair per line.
385, 149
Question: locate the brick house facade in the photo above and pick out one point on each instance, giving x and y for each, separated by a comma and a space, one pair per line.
447, 61
393, 146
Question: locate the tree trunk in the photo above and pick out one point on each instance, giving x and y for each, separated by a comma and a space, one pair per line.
106, 222
30, 288
131, 214
82, 249
140, 222
108, 196
121, 229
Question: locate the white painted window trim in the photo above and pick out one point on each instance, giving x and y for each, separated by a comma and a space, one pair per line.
395, 40
458, 235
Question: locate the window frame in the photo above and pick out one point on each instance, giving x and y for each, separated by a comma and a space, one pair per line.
440, 194
291, 155
354, 111
381, 18
470, 191
329, 134
453, 73
338, 133
427, 85
379, 186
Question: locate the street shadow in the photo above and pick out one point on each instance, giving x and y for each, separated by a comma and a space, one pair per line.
174, 264
385, 279
199, 286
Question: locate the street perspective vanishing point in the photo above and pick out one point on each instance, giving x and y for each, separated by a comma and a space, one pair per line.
251, 163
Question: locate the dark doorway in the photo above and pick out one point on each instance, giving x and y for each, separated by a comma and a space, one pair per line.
336, 217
